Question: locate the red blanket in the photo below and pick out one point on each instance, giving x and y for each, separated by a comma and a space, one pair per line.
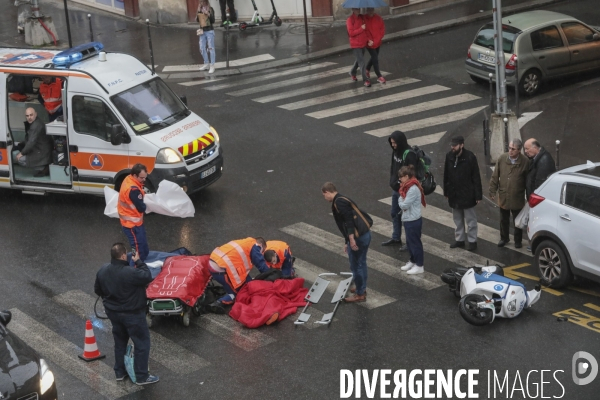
257, 301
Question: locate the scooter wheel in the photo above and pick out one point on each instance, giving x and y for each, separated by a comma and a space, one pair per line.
242, 26
277, 21
467, 306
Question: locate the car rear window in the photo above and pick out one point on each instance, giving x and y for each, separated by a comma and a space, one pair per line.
583, 197
485, 37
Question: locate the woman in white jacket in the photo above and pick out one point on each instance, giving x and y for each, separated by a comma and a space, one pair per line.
410, 201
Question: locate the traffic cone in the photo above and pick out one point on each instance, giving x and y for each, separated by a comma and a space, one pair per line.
90, 349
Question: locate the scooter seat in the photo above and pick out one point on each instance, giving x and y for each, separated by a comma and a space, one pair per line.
487, 277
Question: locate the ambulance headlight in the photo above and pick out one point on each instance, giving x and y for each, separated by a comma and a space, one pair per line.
46, 377
168, 156
215, 134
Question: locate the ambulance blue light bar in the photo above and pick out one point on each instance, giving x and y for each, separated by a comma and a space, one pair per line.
75, 54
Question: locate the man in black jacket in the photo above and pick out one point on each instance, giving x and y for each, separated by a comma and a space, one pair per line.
36, 151
123, 291
402, 154
356, 235
540, 168
462, 188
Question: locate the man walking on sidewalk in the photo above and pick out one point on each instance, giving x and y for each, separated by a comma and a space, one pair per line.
508, 180
462, 188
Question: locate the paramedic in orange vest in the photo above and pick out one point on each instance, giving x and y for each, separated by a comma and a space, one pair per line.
131, 209
231, 263
50, 95
279, 256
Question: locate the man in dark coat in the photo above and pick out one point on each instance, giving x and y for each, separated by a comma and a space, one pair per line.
36, 152
402, 155
540, 168
462, 188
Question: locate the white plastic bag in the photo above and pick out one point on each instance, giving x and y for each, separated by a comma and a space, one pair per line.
112, 197
522, 218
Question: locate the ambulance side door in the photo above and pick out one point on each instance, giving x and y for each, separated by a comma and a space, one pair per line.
95, 160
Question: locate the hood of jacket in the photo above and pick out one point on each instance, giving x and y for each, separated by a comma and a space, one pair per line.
401, 142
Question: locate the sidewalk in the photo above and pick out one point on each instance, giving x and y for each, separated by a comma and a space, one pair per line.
178, 45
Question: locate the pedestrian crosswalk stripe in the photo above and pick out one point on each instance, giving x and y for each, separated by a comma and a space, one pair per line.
162, 350
289, 82
310, 272
200, 82
403, 111
222, 64
442, 217
307, 90
232, 331
436, 247
375, 260
266, 77
346, 94
425, 140
377, 102
58, 350
426, 123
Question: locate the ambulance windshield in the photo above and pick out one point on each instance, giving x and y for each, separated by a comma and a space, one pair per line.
150, 106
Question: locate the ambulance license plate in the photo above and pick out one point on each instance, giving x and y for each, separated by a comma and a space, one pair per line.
208, 172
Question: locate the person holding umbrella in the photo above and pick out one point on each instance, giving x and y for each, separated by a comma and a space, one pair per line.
375, 31
357, 33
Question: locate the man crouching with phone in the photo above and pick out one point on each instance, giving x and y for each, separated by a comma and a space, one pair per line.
123, 291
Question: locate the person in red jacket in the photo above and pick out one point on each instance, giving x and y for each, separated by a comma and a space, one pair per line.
375, 30
357, 32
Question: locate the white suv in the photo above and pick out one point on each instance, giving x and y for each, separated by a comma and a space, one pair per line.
564, 225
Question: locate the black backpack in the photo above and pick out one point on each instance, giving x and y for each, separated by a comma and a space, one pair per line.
422, 172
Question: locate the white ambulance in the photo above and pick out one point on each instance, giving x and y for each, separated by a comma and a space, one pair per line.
116, 113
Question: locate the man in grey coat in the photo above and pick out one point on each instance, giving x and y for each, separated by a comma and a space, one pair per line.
508, 180
37, 150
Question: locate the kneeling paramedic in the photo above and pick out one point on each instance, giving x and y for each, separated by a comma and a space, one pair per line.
231, 263
279, 256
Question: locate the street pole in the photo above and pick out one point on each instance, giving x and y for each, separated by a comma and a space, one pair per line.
91, 30
518, 111
68, 24
305, 22
506, 134
557, 154
150, 44
501, 101
227, 25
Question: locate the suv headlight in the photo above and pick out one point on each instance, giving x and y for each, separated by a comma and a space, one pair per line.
46, 377
215, 134
168, 156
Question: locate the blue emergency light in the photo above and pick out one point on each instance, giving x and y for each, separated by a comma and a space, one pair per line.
75, 54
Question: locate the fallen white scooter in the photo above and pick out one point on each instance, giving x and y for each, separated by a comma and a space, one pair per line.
486, 295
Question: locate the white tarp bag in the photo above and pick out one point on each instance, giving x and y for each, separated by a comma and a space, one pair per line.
169, 199
522, 218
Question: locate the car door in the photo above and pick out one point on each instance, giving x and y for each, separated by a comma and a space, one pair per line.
549, 51
579, 220
584, 48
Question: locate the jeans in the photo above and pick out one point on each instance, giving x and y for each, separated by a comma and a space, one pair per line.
208, 37
124, 327
374, 61
413, 241
359, 63
137, 240
396, 217
505, 225
358, 262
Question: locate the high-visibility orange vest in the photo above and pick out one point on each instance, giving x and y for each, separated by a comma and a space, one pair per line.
128, 214
234, 257
52, 95
280, 248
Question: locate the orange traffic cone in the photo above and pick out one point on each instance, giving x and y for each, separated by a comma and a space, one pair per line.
90, 349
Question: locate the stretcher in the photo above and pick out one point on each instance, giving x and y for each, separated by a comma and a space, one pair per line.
316, 291
179, 288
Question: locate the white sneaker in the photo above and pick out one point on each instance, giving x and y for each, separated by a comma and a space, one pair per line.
204, 67
212, 68
408, 266
416, 270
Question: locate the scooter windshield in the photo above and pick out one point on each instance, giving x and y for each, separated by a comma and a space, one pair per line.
150, 106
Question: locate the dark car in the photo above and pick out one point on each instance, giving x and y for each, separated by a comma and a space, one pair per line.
23, 374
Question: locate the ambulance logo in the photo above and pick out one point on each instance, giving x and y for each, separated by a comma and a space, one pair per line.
96, 161
27, 58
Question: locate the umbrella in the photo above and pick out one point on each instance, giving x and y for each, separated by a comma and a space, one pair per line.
364, 4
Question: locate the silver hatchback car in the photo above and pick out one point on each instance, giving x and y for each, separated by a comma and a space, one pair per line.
548, 45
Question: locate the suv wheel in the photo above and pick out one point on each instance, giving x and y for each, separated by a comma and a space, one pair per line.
552, 264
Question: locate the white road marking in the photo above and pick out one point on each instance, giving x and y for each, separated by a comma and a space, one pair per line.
445, 218
232, 331
346, 94
376, 261
526, 117
427, 122
200, 82
377, 102
428, 139
162, 350
307, 90
259, 78
310, 272
58, 350
403, 111
223, 64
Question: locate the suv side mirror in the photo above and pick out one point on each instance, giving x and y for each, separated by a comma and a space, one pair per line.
5, 317
119, 135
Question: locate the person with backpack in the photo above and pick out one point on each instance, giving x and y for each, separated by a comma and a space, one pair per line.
410, 201
402, 155
357, 32
206, 19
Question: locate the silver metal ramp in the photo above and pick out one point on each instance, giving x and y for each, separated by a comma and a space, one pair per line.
313, 296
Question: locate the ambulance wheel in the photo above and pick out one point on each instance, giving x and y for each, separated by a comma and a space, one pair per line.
277, 21
149, 320
242, 26
467, 306
185, 318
